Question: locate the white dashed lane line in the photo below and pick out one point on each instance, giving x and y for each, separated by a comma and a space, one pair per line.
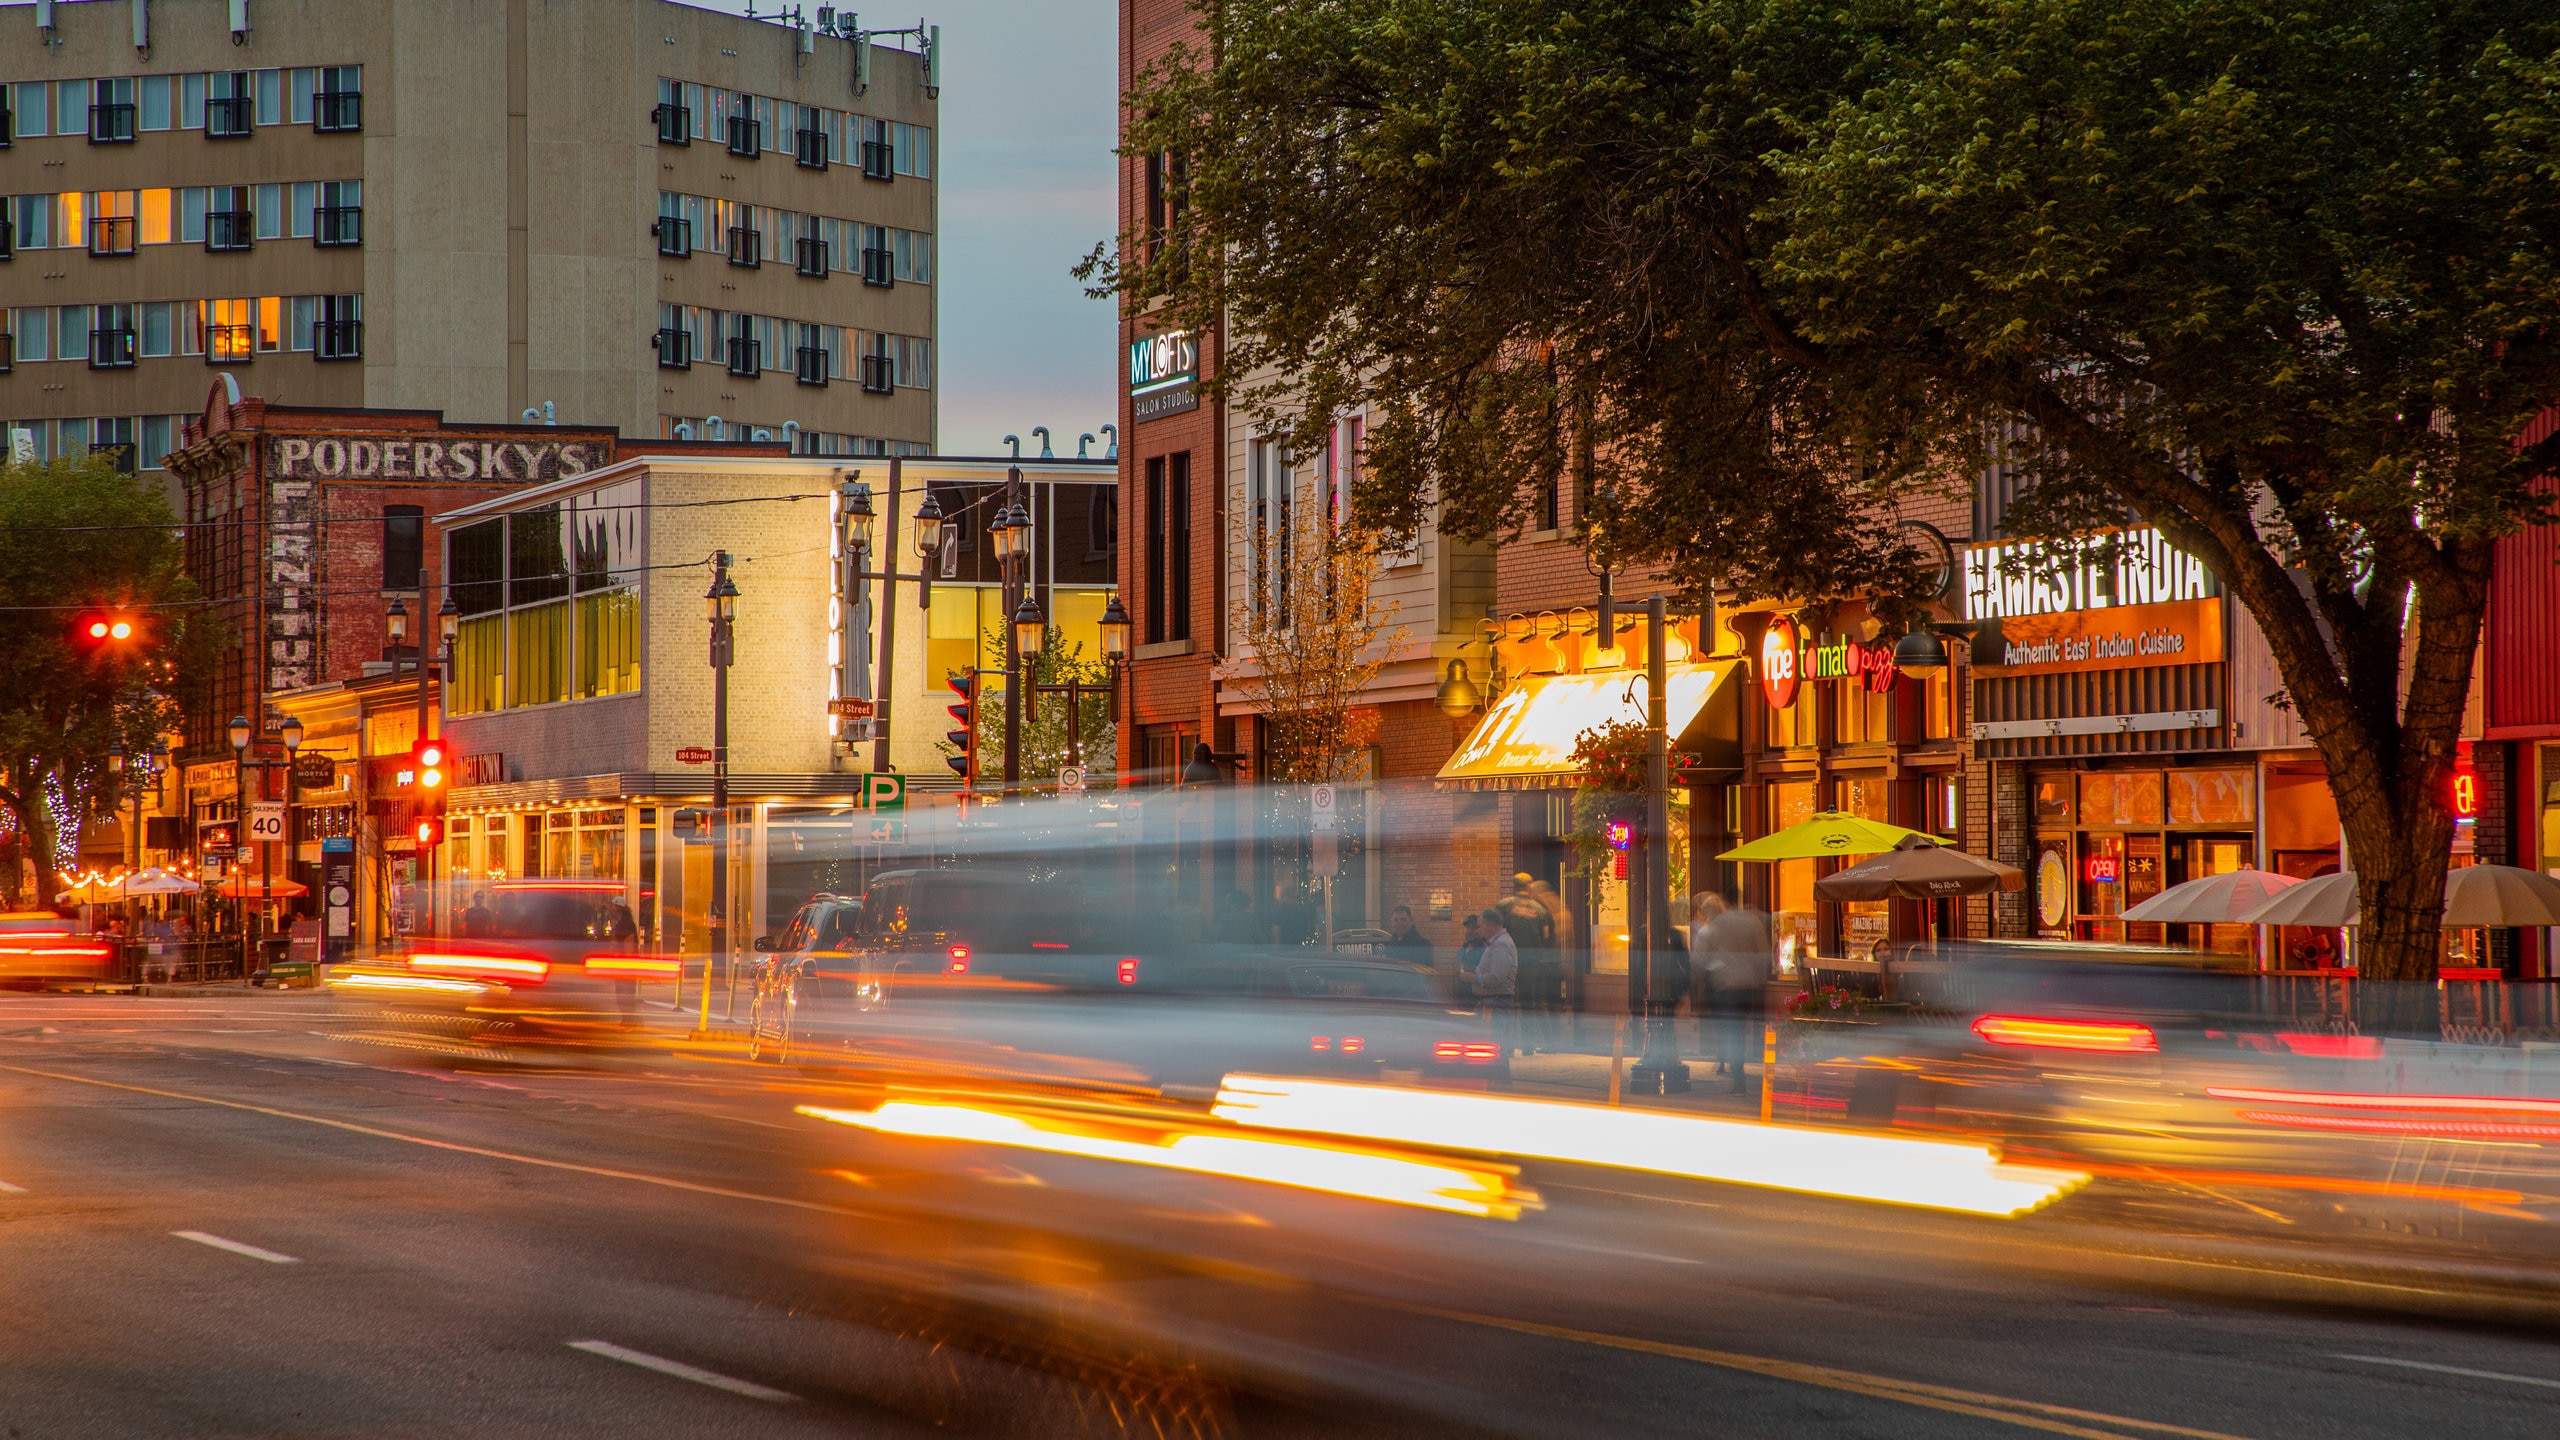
236, 1247
2454, 1370
681, 1370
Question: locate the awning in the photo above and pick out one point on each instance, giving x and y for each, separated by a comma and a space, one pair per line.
1527, 740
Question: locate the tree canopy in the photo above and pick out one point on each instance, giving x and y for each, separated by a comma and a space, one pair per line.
81, 540
2277, 278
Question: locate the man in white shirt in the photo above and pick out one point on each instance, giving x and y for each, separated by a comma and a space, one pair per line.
1497, 981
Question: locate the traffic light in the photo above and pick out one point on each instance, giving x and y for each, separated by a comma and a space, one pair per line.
429, 830
426, 762
965, 715
98, 629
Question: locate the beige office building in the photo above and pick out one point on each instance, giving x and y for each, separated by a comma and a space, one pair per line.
666, 219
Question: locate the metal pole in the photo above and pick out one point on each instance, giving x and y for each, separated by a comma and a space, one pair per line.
719, 917
1013, 573
1661, 1071
240, 840
888, 629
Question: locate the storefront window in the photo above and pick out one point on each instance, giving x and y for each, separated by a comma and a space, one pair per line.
1793, 727
1792, 880
608, 643
2212, 797
2120, 797
1864, 715
1864, 923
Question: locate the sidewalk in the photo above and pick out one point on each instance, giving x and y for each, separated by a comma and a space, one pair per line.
1584, 1079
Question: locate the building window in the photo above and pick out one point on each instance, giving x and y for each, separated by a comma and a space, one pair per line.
809, 145
673, 231
746, 136
1270, 483
879, 263
1168, 561
404, 546
230, 109
879, 155
673, 117
340, 332
880, 368
746, 246
339, 107
111, 112
812, 356
114, 228
811, 250
113, 342
746, 351
608, 643
339, 218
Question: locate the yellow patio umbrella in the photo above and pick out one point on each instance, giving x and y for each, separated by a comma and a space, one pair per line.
1828, 833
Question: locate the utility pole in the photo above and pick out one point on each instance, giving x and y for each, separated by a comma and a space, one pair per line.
1660, 1071
721, 604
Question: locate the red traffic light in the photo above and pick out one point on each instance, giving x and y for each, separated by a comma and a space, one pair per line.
426, 761
105, 629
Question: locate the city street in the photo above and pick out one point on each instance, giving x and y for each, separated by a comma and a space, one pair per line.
261, 1214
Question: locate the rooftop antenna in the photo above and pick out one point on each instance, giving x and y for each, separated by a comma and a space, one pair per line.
142, 28
932, 61
861, 56
239, 20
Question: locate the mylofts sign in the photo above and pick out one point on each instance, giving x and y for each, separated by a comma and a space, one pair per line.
413, 457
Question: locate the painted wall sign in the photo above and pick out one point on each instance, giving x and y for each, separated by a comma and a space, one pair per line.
407, 457
2171, 632
1778, 673
2147, 570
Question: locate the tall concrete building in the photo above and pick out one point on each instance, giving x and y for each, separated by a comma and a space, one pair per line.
628, 213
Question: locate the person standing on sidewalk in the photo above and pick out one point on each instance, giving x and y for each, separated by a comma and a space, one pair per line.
1497, 982
1738, 959
1532, 928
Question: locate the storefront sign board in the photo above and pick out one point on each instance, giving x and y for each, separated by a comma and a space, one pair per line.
1778, 673
2171, 632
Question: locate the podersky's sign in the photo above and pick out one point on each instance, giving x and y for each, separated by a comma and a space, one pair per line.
409, 457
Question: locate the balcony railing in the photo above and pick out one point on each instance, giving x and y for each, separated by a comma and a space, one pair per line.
746, 136
111, 347
675, 348
675, 124
878, 268
879, 375
111, 123
337, 112
809, 148
812, 367
746, 355
338, 340
230, 117
746, 247
111, 234
675, 236
878, 160
337, 224
230, 344
230, 230
812, 255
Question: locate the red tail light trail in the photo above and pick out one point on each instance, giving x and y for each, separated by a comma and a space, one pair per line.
2035, 1032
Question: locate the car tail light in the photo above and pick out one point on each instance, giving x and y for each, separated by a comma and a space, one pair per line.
1129, 970
959, 961
633, 967
1048, 944
1353, 1044
1320, 1042
2039, 1033
1467, 1052
524, 970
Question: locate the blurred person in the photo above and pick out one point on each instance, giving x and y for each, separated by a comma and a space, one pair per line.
1470, 946
479, 921
1497, 979
1293, 920
1404, 940
1532, 928
1738, 958
1235, 918
619, 926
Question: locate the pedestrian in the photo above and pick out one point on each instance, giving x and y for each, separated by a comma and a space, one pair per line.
1739, 958
1470, 946
1532, 928
1404, 940
1293, 920
1497, 981
479, 921
620, 927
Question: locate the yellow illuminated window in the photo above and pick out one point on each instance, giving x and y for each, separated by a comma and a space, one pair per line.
271, 323
155, 217
538, 654
75, 227
608, 643
1078, 616
479, 659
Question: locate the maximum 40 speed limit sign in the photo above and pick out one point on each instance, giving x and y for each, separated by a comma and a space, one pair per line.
266, 822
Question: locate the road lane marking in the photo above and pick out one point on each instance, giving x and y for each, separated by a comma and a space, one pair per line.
681, 1370
2031, 1414
236, 1247
2453, 1370
8, 1189
640, 1177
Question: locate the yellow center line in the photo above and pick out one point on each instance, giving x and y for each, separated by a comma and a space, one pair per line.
668, 1182
2034, 1415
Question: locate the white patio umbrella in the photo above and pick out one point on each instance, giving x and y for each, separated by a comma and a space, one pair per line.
156, 881
2325, 902
2500, 895
2214, 900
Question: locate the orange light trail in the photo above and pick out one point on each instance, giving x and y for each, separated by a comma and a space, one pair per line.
2351, 1101
2038, 1032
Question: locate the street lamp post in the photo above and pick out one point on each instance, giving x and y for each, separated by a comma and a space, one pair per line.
721, 608
1660, 1072
241, 735
858, 535
1012, 533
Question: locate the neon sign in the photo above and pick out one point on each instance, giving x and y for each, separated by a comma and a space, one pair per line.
2465, 794
2103, 869
1779, 673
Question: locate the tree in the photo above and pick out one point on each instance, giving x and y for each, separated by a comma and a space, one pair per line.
81, 540
1313, 640
2277, 279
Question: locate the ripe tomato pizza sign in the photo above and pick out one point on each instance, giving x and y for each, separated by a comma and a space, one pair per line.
1779, 674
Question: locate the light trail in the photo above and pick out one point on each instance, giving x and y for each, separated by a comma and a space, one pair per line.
1893, 1169
1436, 1184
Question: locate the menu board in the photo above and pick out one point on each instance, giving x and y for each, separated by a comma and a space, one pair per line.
2212, 797
2120, 797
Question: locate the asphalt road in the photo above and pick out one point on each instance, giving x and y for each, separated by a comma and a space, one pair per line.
255, 1215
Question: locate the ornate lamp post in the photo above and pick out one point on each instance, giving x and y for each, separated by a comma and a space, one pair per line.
859, 531
1012, 534
720, 607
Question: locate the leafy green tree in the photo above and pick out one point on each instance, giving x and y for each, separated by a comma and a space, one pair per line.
2276, 278
1044, 731
79, 539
